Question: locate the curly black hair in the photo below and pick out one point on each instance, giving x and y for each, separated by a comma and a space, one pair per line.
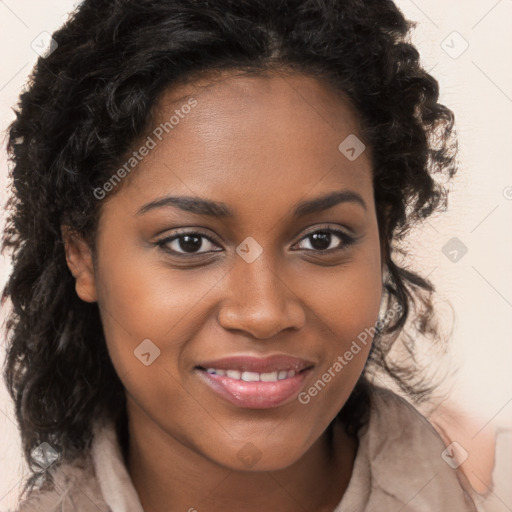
88, 101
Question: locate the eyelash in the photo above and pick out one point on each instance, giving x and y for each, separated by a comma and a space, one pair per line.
346, 242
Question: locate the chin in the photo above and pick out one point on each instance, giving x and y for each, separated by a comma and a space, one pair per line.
251, 458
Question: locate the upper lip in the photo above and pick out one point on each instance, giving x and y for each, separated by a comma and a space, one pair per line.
269, 364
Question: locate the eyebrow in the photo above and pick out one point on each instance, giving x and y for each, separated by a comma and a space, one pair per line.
203, 206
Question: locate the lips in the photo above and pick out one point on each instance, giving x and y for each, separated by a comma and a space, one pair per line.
270, 364
256, 383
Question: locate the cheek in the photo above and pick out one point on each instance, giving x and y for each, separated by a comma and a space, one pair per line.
346, 300
151, 300
350, 305
346, 307
149, 312
147, 307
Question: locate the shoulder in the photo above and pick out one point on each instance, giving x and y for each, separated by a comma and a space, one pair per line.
405, 455
391, 410
70, 487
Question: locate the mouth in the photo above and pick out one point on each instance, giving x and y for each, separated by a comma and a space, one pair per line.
255, 383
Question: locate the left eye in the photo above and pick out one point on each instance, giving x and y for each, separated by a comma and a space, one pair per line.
322, 240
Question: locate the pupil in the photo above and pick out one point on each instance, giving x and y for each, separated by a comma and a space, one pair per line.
187, 245
321, 240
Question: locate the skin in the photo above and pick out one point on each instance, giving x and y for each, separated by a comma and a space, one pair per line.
259, 144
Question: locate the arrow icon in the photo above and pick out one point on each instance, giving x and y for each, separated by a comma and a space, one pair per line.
352, 147
147, 352
249, 454
249, 249
454, 455
454, 249
454, 45
44, 44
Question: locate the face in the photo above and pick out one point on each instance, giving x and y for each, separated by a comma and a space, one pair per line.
231, 316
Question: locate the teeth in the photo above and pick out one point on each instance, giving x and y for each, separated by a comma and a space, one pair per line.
233, 374
250, 376
253, 376
268, 377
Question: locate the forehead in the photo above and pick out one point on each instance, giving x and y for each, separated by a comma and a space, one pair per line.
274, 136
243, 104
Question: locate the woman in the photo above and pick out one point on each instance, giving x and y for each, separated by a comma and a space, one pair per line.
205, 288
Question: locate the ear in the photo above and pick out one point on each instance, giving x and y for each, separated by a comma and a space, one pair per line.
80, 263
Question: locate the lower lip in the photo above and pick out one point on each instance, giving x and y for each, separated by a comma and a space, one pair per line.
255, 395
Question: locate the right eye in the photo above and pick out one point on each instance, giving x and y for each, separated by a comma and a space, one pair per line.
188, 243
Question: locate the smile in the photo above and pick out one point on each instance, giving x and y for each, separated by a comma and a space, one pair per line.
253, 376
255, 383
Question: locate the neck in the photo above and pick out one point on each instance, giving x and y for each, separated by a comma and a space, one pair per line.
189, 481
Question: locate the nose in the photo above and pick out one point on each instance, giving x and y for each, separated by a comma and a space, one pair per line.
260, 302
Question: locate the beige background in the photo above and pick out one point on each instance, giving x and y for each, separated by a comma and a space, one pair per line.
477, 85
